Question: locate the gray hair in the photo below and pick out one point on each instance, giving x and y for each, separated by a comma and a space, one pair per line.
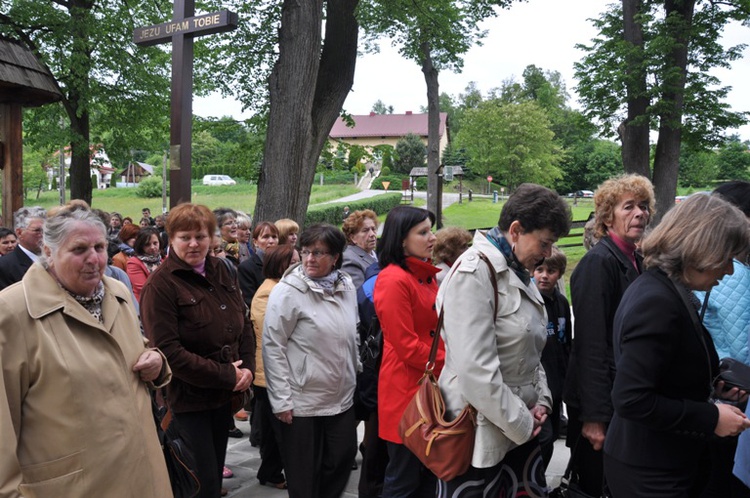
58, 228
23, 216
244, 220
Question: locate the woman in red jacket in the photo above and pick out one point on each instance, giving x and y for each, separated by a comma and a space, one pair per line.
404, 299
147, 257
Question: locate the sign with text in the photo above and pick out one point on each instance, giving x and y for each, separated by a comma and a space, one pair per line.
205, 24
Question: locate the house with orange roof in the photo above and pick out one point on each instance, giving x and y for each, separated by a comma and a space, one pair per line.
371, 130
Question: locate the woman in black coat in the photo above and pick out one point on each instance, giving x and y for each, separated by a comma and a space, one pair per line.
657, 442
624, 206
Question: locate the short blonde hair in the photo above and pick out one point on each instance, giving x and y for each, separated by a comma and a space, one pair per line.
450, 243
354, 222
286, 227
610, 193
703, 232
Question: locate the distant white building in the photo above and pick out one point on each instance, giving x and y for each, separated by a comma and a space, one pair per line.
101, 167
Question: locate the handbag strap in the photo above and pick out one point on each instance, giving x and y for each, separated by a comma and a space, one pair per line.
436, 339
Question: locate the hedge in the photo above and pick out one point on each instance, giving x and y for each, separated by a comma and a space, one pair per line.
333, 213
335, 178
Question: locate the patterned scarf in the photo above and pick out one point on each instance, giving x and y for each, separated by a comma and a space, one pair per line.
152, 261
327, 283
496, 237
92, 304
231, 248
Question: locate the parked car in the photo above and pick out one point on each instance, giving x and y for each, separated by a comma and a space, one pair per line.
218, 180
581, 194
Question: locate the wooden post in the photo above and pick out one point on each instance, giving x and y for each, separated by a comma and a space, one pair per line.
11, 137
181, 31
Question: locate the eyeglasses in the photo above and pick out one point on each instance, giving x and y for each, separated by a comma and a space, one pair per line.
218, 250
315, 254
229, 224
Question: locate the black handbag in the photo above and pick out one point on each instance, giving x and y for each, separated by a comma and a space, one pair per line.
177, 456
734, 373
569, 487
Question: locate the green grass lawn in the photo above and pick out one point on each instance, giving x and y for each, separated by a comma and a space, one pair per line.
241, 196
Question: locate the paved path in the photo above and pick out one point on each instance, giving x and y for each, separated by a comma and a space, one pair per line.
448, 198
244, 461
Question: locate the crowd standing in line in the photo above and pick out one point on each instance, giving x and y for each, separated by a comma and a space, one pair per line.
304, 320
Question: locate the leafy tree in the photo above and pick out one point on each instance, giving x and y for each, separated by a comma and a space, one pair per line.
309, 82
588, 164
435, 34
87, 46
34, 171
511, 142
380, 108
649, 68
734, 159
410, 153
698, 168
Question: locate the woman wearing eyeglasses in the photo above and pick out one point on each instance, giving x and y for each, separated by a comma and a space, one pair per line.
310, 364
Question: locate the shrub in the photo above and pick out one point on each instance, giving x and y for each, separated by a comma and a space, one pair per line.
335, 177
333, 213
150, 187
385, 170
395, 180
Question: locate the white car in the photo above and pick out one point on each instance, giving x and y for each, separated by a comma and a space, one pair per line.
218, 180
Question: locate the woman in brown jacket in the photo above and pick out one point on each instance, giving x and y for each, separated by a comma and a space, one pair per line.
192, 308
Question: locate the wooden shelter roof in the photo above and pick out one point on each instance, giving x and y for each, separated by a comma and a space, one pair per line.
23, 79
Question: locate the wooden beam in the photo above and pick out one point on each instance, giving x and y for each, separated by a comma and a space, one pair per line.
11, 135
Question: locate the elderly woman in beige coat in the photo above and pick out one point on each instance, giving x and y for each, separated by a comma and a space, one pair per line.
75, 410
493, 345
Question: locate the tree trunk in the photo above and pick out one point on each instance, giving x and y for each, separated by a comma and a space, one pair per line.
634, 131
77, 105
308, 87
434, 178
667, 158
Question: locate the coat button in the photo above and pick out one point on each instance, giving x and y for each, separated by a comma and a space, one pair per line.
192, 300
223, 306
429, 280
434, 306
419, 280
432, 333
210, 289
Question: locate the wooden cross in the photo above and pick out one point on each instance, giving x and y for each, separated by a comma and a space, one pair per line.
185, 25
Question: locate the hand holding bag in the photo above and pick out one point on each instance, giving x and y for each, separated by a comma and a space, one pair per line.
446, 448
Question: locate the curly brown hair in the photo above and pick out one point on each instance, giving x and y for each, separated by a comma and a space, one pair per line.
354, 221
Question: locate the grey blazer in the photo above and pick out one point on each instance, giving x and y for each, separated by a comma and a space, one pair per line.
355, 262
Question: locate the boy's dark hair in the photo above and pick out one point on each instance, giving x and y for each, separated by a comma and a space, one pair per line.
556, 261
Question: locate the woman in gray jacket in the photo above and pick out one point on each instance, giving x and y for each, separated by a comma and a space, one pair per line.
493, 345
310, 362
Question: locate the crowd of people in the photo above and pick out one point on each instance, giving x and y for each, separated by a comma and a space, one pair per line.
220, 318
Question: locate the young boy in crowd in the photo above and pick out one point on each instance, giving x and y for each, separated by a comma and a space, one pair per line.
557, 350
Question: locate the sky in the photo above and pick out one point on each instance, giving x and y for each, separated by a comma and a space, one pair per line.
539, 32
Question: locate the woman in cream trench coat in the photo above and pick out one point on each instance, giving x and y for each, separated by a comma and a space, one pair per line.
75, 418
493, 346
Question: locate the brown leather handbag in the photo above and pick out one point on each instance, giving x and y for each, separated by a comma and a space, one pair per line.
444, 447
